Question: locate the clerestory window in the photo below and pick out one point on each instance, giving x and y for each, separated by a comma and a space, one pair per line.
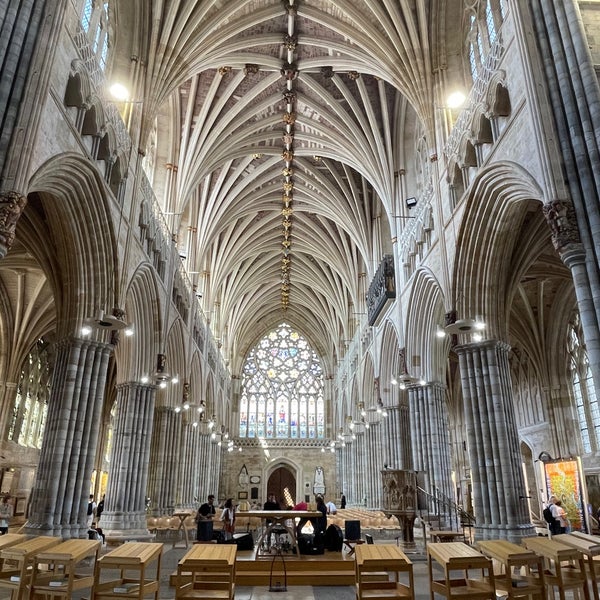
282, 388
94, 21
484, 18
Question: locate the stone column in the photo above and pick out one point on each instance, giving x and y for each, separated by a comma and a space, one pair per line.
572, 86
11, 207
26, 24
125, 513
190, 474
493, 442
60, 493
165, 459
430, 440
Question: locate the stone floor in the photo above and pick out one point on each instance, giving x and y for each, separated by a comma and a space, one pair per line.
171, 557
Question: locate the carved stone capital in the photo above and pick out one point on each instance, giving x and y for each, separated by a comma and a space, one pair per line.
560, 215
11, 207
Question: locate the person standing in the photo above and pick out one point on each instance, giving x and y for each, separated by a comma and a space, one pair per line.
563, 520
343, 501
100, 508
204, 518
91, 510
6, 513
228, 518
321, 522
555, 524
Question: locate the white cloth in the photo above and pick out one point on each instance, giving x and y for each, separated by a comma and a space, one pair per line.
331, 508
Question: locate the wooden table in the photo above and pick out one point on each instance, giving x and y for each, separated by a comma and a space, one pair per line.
182, 516
589, 546
207, 572
513, 559
131, 559
278, 520
555, 555
457, 556
10, 539
443, 535
378, 569
17, 562
59, 577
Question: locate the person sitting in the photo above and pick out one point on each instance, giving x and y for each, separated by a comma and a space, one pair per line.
96, 533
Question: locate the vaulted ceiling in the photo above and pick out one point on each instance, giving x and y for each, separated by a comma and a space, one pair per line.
287, 124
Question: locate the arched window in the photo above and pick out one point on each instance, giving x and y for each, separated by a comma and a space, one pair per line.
282, 389
484, 19
588, 411
94, 21
26, 427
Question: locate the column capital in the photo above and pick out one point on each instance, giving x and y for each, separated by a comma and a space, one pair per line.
561, 218
11, 206
474, 346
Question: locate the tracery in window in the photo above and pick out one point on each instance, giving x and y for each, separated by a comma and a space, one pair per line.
282, 389
586, 403
484, 18
94, 21
27, 424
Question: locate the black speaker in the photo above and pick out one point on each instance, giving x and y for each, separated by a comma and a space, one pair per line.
244, 541
352, 530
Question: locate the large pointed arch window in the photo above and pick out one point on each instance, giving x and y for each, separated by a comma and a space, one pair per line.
282, 389
586, 402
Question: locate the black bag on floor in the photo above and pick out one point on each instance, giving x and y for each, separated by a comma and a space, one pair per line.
311, 544
244, 541
334, 538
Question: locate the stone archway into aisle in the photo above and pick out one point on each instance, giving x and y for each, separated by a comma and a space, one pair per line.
282, 483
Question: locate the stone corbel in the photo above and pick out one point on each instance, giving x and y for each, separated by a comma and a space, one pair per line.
12, 205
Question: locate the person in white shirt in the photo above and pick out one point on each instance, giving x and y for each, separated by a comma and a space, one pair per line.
331, 508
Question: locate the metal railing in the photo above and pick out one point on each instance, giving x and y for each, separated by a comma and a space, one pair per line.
444, 511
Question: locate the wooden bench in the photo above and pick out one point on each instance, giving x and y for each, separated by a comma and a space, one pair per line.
132, 560
207, 573
589, 546
378, 573
476, 581
55, 570
564, 566
512, 560
17, 563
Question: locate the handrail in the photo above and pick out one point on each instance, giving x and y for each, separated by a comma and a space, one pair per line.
445, 509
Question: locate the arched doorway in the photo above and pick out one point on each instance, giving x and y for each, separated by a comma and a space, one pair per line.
282, 483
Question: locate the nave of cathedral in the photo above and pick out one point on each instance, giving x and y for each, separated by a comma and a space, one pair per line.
256, 247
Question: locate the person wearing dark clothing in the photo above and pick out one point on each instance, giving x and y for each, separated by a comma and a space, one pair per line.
207, 510
343, 501
204, 518
100, 508
271, 503
321, 522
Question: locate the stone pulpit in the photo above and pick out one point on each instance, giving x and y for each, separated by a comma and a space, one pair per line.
400, 501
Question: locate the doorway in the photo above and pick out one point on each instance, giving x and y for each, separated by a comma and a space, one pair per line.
282, 483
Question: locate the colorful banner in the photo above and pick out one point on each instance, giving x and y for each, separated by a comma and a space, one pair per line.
563, 480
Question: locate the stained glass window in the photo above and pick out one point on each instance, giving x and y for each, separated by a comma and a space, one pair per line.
282, 389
